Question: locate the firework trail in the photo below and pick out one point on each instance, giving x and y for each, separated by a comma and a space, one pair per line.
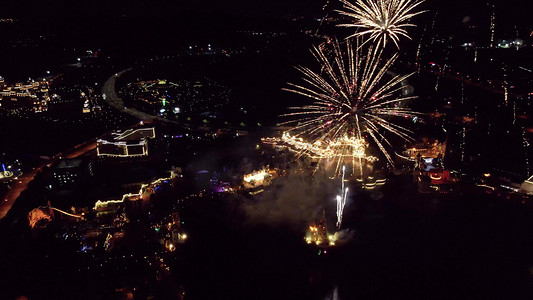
341, 200
351, 98
380, 20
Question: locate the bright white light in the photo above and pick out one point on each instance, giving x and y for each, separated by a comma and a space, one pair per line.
256, 176
341, 200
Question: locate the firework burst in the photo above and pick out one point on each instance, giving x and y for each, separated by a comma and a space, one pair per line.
380, 20
351, 98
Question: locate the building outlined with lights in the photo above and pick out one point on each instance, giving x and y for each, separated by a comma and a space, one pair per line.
130, 143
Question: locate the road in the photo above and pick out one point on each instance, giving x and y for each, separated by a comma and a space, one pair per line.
18, 186
111, 97
452, 76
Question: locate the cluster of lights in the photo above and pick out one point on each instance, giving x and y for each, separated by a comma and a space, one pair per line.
35, 91
10, 173
181, 239
339, 148
163, 95
373, 185
103, 204
313, 231
314, 237
256, 176
5, 172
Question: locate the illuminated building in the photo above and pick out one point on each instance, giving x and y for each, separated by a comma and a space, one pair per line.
431, 149
68, 172
430, 175
31, 96
130, 143
175, 234
343, 147
144, 194
40, 217
429, 172
258, 178
334, 153
86, 108
527, 186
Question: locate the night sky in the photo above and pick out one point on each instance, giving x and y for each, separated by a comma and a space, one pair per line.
510, 11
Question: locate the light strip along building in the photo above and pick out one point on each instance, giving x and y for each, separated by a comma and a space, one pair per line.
130, 143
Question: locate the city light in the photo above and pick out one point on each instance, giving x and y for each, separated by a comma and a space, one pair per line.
130, 197
130, 143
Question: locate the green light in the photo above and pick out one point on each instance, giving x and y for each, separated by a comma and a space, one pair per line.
157, 229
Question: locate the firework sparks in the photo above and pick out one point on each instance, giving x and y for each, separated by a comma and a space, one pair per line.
351, 98
380, 20
342, 147
341, 200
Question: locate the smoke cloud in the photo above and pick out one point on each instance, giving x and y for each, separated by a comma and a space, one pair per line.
295, 200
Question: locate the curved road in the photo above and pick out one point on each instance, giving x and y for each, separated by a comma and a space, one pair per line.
110, 96
22, 183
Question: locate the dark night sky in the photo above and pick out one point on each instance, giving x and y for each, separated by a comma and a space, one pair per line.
509, 10
213, 15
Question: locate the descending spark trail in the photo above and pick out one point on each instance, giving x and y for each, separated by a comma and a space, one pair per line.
382, 20
341, 200
351, 100
343, 173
